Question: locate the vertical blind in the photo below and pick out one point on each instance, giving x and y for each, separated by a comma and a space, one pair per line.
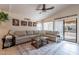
39, 26
48, 26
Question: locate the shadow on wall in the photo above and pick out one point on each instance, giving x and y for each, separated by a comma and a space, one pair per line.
4, 28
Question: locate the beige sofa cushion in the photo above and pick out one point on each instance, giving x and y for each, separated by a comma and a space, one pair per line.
35, 32
20, 33
29, 32
52, 32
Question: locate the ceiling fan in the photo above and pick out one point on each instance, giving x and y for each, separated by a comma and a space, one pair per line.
44, 8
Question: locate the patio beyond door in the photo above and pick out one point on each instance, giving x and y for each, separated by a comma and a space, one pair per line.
70, 29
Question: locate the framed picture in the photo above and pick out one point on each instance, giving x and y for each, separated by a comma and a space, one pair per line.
23, 23
29, 23
15, 22
34, 23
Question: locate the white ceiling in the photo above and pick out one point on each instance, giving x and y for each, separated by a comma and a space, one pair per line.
29, 10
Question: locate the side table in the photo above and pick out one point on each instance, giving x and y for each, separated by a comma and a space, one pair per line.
8, 40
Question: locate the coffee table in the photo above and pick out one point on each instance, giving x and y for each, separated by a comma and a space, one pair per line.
39, 41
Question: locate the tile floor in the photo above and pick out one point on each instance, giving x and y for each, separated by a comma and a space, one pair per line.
62, 48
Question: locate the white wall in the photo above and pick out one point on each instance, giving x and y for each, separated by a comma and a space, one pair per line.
6, 26
20, 17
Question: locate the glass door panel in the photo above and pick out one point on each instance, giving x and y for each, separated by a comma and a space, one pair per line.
58, 26
70, 30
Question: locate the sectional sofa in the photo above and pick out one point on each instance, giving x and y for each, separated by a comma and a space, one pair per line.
25, 36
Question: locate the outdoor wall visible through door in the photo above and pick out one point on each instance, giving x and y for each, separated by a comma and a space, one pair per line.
70, 29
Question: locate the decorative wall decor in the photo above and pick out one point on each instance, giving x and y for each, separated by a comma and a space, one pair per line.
29, 23
23, 23
15, 22
34, 23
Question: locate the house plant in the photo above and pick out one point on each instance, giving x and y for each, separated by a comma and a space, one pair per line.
3, 16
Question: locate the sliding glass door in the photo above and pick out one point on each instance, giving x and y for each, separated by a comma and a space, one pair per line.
70, 29
67, 28
58, 26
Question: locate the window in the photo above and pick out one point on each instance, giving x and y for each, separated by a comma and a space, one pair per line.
39, 26
59, 27
48, 26
45, 26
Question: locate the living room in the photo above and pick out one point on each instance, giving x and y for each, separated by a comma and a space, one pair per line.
37, 28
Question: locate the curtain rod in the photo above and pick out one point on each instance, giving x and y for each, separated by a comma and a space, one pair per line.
66, 16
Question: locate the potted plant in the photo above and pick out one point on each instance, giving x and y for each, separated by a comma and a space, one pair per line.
3, 16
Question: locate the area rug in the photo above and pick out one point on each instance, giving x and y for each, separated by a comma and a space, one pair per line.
28, 49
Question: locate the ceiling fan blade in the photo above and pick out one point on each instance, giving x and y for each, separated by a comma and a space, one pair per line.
50, 8
44, 7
